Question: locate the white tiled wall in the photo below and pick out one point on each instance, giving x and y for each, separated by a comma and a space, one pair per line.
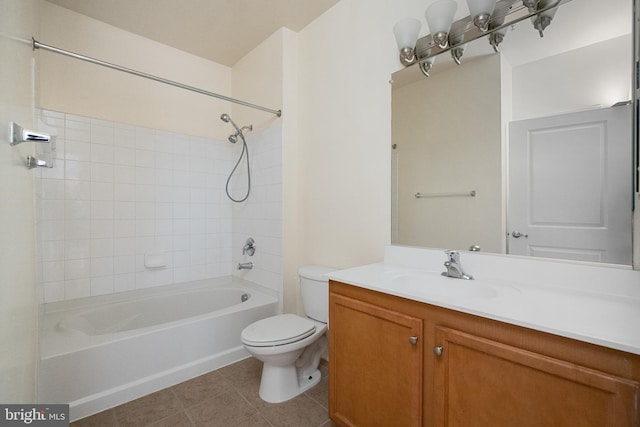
118, 192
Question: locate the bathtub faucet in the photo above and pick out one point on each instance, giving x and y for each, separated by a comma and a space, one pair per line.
245, 265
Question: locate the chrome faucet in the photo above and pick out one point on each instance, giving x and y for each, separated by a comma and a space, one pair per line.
454, 268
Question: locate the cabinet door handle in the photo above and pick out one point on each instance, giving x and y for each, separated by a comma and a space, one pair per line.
437, 351
413, 340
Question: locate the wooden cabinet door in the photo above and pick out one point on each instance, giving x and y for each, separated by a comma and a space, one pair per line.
375, 365
480, 382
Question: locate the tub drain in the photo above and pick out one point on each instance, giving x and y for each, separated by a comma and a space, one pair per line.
244, 297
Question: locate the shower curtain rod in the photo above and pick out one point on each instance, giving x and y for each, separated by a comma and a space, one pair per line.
37, 45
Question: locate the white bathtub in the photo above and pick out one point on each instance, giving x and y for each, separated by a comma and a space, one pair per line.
99, 352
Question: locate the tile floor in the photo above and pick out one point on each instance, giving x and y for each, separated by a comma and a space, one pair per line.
226, 397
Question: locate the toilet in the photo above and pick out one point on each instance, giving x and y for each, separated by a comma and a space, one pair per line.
290, 346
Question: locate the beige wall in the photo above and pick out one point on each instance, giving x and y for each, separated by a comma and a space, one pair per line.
290, 171
345, 61
555, 85
447, 144
18, 300
85, 89
257, 78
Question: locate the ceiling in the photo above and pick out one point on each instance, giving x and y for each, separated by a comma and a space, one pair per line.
220, 30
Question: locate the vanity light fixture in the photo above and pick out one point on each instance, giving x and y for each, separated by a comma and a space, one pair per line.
532, 5
487, 18
425, 65
439, 16
543, 19
495, 38
406, 33
458, 48
498, 30
456, 53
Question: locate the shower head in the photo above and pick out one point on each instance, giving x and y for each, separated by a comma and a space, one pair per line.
234, 137
225, 118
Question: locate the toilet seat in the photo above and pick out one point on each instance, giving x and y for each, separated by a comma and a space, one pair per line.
277, 330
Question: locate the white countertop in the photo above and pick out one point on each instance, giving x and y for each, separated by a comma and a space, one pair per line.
599, 305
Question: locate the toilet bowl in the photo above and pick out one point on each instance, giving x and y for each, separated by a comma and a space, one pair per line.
290, 346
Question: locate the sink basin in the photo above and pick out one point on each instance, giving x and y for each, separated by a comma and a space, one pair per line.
434, 285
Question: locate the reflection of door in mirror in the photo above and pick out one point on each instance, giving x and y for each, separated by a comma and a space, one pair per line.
570, 186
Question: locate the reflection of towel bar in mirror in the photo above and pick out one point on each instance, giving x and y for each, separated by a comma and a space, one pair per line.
18, 134
471, 193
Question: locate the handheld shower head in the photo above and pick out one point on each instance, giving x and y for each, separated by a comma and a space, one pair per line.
225, 118
234, 137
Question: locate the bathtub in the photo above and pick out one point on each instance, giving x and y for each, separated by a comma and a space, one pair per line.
100, 352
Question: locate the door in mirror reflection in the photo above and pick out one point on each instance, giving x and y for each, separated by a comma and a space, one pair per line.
570, 188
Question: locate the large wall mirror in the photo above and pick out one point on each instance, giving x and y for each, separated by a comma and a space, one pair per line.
527, 151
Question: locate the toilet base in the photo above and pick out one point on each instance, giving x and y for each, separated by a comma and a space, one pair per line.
281, 383
291, 369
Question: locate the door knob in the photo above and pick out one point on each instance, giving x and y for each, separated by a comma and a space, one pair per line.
516, 234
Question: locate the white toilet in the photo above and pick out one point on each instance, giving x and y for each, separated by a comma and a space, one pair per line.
290, 346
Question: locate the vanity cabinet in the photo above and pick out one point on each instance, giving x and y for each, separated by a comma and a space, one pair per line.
487, 383
378, 355
399, 362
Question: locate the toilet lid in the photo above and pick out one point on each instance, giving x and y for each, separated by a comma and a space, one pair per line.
277, 330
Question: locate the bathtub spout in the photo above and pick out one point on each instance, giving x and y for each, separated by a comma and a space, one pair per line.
245, 265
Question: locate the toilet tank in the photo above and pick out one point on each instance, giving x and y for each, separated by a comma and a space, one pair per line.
314, 289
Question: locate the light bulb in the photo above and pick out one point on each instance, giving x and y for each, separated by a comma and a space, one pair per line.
439, 16
406, 34
481, 11
425, 65
543, 19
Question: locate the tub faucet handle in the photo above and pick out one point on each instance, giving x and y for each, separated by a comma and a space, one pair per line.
249, 247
